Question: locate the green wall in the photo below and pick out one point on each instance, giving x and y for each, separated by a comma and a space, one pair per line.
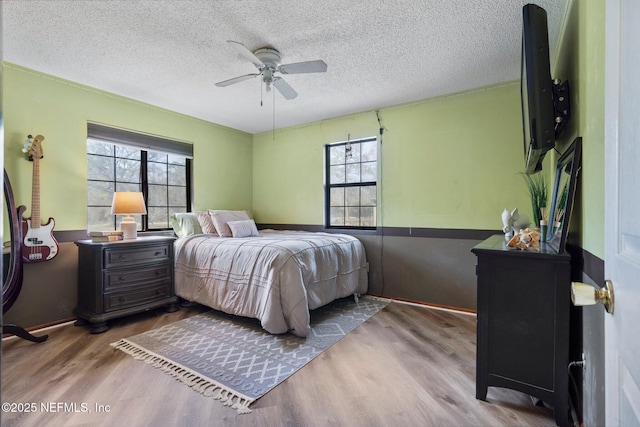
580, 59
37, 103
450, 162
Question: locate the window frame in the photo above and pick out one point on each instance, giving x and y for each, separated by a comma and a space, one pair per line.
144, 179
329, 185
145, 144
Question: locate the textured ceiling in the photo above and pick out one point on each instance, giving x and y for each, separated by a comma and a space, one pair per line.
171, 53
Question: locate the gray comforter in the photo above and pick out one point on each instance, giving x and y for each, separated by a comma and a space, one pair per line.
277, 277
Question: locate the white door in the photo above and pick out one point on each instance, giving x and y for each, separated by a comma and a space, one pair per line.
622, 211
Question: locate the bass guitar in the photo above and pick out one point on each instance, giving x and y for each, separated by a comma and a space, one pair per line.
38, 243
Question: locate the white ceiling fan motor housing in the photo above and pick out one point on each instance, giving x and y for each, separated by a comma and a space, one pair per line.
271, 60
269, 57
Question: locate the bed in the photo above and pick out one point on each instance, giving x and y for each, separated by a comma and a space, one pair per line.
273, 276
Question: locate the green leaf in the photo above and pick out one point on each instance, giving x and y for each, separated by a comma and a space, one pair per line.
537, 187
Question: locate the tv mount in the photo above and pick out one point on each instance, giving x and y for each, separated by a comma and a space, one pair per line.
561, 105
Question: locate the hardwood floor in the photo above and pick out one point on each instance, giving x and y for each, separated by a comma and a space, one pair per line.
406, 366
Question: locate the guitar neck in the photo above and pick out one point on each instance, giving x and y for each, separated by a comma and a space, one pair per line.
35, 194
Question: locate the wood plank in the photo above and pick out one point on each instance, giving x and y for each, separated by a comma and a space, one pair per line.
407, 365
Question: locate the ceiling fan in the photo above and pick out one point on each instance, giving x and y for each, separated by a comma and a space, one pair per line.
267, 61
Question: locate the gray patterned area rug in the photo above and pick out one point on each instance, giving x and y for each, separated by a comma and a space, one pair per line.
233, 359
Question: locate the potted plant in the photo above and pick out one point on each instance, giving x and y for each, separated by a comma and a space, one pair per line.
537, 186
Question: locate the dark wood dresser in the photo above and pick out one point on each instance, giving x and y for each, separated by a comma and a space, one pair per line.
119, 278
526, 323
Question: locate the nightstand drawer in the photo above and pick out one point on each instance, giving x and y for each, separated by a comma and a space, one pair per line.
125, 277
136, 297
123, 256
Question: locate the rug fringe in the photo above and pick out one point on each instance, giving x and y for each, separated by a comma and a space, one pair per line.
197, 382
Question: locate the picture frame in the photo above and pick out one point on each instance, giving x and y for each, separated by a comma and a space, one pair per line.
564, 188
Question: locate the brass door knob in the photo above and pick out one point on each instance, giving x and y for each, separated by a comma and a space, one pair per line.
584, 294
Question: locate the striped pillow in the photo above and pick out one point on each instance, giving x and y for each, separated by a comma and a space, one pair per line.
246, 228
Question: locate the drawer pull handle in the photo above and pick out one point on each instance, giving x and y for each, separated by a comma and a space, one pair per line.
121, 299
157, 273
158, 253
158, 292
122, 278
122, 258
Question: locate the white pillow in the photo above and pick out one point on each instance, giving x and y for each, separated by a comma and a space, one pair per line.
246, 228
185, 224
205, 222
220, 218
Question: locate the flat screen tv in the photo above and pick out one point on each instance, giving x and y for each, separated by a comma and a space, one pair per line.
544, 102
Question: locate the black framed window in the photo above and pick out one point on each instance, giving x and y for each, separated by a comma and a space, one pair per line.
119, 160
351, 190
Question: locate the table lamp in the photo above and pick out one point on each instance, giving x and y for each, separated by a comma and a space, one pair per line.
128, 203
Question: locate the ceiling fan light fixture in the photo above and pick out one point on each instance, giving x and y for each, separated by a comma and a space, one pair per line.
267, 78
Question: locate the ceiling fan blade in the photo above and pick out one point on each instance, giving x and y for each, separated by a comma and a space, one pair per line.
236, 80
246, 53
318, 66
284, 88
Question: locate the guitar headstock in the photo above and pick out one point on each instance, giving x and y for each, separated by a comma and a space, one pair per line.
33, 147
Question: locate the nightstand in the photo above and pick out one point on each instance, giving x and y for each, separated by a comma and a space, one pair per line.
119, 278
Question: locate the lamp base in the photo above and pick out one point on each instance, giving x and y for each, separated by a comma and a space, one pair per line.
129, 228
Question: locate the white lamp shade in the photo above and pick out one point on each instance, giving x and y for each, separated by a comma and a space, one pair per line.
128, 203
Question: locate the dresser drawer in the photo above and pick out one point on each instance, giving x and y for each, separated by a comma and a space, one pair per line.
136, 297
119, 278
114, 257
